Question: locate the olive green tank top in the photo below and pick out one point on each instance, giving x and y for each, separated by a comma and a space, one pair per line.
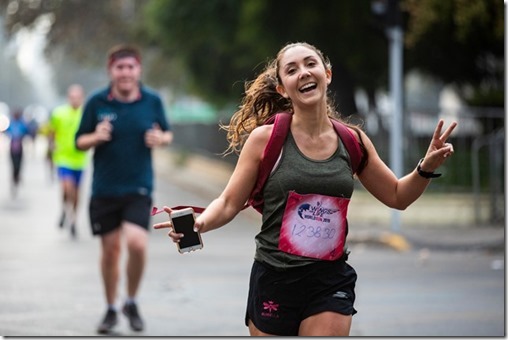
296, 172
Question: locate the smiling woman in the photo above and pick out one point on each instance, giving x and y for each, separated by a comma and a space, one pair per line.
301, 283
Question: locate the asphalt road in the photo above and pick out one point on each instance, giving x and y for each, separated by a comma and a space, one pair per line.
50, 284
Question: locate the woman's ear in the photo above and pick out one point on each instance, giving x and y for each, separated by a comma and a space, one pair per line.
328, 76
280, 89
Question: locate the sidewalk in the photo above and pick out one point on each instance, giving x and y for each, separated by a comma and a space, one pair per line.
435, 221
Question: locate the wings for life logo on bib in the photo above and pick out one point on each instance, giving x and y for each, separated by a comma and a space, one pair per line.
315, 213
314, 226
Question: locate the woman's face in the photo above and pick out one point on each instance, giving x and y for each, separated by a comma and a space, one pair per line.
304, 76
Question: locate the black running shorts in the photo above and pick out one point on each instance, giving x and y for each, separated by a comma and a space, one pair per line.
107, 213
279, 301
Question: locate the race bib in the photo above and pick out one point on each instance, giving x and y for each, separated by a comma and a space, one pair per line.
314, 226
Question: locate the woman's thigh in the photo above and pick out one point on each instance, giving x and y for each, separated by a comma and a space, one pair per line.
326, 324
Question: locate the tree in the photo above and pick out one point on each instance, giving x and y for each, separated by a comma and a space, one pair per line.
211, 47
80, 27
459, 42
221, 43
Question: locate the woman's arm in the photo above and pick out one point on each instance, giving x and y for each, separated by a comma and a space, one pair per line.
382, 183
232, 200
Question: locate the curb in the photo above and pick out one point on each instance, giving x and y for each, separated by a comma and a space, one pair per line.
394, 241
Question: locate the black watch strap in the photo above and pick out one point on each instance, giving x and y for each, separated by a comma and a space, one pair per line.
425, 174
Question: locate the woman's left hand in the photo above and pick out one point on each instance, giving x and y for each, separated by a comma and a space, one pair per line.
438, 149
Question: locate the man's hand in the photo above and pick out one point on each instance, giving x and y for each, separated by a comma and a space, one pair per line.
103, 131
155, 136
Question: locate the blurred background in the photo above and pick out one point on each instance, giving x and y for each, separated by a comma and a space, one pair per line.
199, 53
398, 66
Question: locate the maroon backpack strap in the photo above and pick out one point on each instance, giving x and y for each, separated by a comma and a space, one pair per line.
351, 144
281, 124
197, 210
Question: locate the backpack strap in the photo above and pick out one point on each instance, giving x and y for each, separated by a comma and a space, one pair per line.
197, 210
281, 123
351, 144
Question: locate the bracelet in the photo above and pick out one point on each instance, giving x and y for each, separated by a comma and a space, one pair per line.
425, 174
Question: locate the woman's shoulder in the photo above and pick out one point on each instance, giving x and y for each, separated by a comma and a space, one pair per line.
357, 132
261, 134
263, 130
258, 139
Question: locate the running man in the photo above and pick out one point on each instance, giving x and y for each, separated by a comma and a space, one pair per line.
69, 161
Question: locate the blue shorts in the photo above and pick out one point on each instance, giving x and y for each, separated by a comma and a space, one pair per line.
279, 301
69, 174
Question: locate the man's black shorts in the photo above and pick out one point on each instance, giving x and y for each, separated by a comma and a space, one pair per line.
279, 301
107, 213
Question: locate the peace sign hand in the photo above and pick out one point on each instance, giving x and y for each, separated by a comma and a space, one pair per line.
438, 149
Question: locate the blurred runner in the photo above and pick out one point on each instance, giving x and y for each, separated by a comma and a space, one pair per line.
17, 131
122, 122
69, 161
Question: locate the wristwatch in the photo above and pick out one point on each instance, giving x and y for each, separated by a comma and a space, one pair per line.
425, 174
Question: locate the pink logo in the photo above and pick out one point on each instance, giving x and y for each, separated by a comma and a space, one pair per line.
270, 306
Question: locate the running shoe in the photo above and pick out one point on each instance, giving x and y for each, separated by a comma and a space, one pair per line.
62, 220
130, 310
110, 320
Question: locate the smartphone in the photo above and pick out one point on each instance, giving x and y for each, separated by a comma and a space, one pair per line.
183, 222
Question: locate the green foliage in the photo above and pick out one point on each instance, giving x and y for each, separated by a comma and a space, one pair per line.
486, 97
80, 27
459, 42
222, 43
192, 33
458, 170
210, 47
